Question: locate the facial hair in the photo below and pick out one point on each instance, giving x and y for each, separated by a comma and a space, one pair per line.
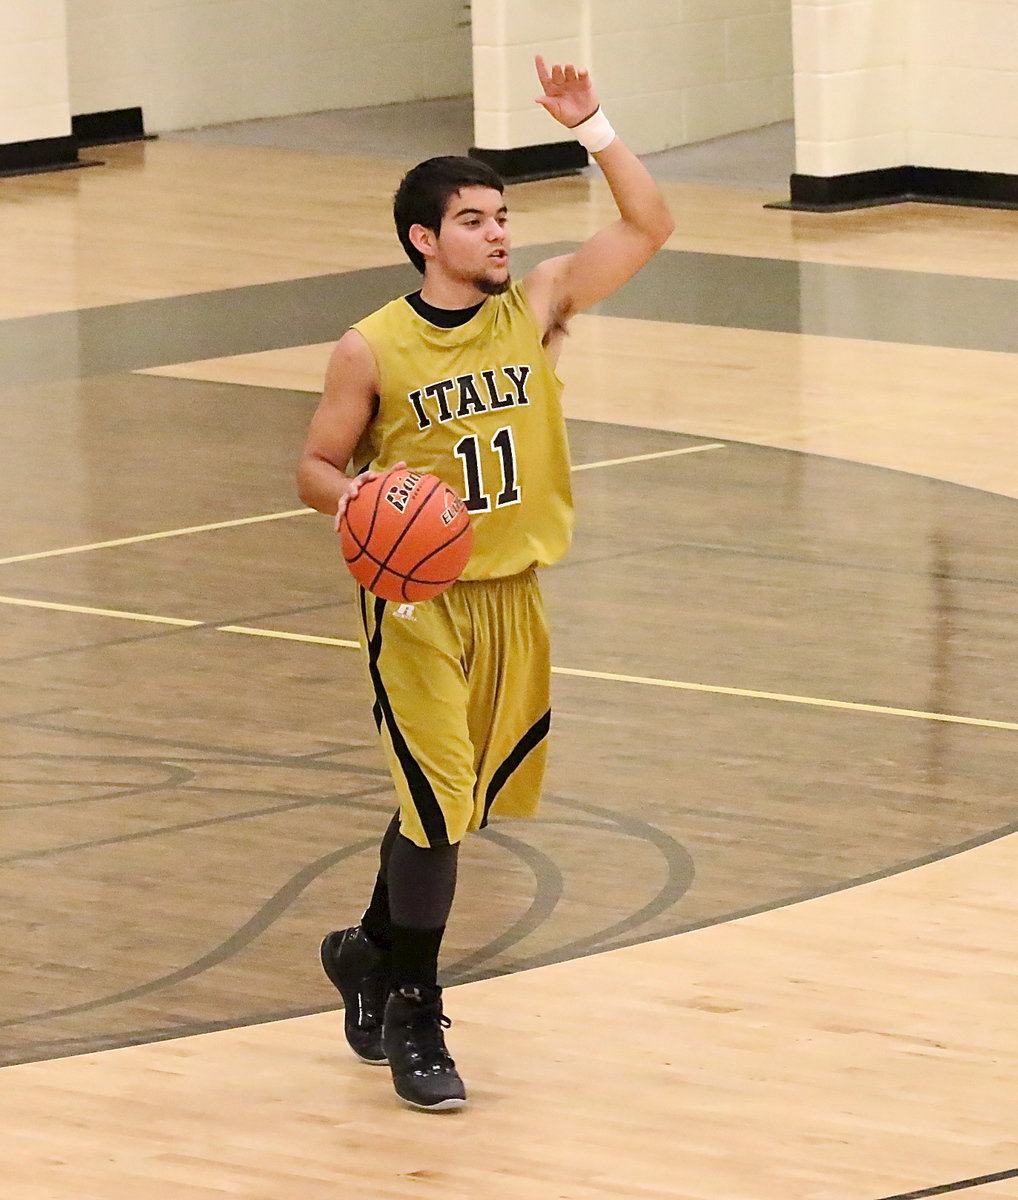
492, 287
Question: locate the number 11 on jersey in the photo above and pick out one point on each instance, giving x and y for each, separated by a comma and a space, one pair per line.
468, 450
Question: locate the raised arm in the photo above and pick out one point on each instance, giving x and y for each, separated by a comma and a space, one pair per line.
559, 287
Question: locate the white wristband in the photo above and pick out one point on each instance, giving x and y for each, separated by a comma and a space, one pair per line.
595, 133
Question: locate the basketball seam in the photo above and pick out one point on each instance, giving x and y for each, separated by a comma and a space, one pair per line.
362, 548
412, 577
402, 534
429, 583
404, 580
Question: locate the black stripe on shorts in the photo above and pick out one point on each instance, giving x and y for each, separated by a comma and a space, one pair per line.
531, 739
422, 793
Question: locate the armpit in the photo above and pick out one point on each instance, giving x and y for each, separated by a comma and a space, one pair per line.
558, 326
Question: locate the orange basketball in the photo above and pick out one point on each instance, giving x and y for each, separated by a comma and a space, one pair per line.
406, 536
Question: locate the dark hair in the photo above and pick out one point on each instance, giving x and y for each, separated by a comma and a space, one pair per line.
426, 189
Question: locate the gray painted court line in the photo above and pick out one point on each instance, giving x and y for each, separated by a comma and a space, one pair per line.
909, 307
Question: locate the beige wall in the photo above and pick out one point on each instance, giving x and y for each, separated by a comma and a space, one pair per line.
669, 72
199, 62
878, 83
683, 73
33, 71
963, 84
885, 83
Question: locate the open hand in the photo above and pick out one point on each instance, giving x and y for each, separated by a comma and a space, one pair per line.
568, 93
354, 486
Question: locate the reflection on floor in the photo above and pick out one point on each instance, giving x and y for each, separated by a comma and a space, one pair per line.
192, 791
761, 158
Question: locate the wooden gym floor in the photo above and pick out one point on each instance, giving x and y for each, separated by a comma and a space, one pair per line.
761, 943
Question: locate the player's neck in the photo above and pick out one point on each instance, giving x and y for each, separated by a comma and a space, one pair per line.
450, 293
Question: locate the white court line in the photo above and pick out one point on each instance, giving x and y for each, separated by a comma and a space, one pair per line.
294, 512
606, 676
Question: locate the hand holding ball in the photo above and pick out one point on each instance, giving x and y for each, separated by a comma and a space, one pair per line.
406, 536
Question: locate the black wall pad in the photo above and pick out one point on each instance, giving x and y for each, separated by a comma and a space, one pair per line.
41, 154
895, 185
105, 128
546, 161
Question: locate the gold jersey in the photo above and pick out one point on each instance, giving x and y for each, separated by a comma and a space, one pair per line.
480, 407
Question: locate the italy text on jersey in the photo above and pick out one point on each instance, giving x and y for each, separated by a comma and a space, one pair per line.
465, 395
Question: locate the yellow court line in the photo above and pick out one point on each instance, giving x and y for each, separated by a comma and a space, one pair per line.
614, 462
607, 676
152, 537
815, 701
254, 631
98, 612
292, 512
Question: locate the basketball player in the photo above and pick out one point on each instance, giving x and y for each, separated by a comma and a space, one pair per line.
459, 379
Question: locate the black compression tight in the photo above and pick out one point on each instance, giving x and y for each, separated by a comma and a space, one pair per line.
422, 883
414, 888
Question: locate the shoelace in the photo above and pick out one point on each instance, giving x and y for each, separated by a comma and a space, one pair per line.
425, 1030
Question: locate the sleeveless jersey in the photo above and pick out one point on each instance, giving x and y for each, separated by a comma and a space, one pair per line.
480, 407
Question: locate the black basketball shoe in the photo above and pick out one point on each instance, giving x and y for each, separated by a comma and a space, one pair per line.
423, 1074
361, 972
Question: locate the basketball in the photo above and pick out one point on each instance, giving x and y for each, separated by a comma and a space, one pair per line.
406, 536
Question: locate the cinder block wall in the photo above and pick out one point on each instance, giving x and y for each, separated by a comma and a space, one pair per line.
924, 85
199, 62
669, 71
34, 101
684, 73
851, 85
963, 85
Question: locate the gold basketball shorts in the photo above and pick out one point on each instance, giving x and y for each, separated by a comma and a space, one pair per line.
461, 685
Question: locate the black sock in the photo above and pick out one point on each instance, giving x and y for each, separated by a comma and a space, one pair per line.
415, 957
422, 883
376, 920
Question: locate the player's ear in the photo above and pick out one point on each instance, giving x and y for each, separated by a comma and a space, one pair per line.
423, 239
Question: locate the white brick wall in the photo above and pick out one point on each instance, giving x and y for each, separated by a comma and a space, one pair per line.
851, 85
33, 71
886, 83
199, 62
964, 85
673, 71
668, 71
506, 36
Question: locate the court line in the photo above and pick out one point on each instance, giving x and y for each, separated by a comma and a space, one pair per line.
614, 462
573, 672
100, 612
152, 537
254, 631
296, 512
960, 1186
814, 701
